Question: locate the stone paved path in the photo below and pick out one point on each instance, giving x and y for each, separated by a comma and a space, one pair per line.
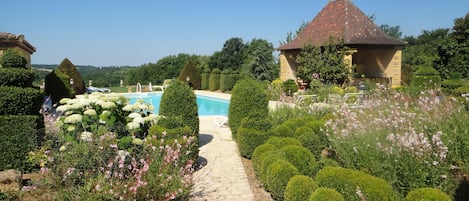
223, 176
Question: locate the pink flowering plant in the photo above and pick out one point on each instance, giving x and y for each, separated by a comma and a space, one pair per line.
409, 142
85, 160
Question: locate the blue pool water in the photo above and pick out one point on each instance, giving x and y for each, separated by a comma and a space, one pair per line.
207, 105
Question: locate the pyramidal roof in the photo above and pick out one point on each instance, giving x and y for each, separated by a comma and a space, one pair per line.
341, 19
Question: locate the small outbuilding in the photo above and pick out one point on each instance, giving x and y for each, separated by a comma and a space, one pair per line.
374, 54
18, 43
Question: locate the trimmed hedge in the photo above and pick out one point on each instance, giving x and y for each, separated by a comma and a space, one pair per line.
18, 136
248, 139
57, 85
299, 188
278, 175
281, 142
69, 69
12, 59
265, 160
323, 162
20, 101
427, 194
300, 157
326, 194
16, 77
214, 80
249, 99
426, 77
178, 100
224, 79
194, 75
290, 87
205, 79
258, 152
348, 182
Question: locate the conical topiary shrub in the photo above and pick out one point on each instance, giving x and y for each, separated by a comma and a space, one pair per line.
190, 71
69, 69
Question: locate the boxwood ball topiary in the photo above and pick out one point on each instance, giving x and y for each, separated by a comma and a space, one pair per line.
427, 194
248, 99
299, 188
261, 149
326, 194
12, 59
300, 157
278, 175
355, 185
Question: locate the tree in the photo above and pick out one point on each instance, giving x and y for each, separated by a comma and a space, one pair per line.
12, 59
291, 36
230, 57
67, 68
454, 50
326, 61
393, 31
260, 62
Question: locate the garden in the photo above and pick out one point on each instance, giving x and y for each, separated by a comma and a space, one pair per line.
408, 143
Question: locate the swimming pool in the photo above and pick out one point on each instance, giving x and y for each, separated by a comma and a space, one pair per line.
206, 105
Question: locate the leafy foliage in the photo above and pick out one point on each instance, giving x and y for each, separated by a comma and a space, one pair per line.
249, 99
191, 71
18, 136
57, 85
12, 59
231, 56
205, 79
326, 194
355, 185
428, 194
20, 101
278, 175
214, 80
16, 77
67, 68
299, 188
326, 61
251, 134
179, 100
260, 62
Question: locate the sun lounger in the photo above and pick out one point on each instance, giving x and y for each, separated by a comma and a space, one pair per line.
221, 121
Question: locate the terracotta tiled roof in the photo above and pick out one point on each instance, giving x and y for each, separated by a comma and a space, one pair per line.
341, 19
12, 40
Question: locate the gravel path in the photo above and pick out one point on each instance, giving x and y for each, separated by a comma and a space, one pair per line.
222, 175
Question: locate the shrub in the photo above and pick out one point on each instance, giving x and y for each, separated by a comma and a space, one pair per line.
214, 80
326, 194
355, 185
20, 101
252, 133
283, 131
191, 71
322, 163
299, 188
427, 194
67, 68
178, 100
12, 59
57, 85
249, 99
290, 87
16, 77
280, 142
300, 157
426, 77
205, 79
259, 151
18, 136
278, 175
248, 139
265, 160
225, 80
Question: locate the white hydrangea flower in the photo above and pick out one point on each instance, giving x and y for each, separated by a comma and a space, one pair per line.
134, 115
133, 125
153, 116
73, 119
128, 108
86, 136
139, 120
143, 106
64, 100
90, 112
63, 108
62, 148
108, 105
76, 106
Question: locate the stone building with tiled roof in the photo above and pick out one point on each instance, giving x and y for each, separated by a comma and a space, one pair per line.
17, 42
375, 55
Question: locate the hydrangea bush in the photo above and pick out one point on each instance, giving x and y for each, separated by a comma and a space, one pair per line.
85, 159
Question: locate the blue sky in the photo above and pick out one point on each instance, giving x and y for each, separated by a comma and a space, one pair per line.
122, 32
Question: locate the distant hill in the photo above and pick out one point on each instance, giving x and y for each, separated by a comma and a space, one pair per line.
101, 76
